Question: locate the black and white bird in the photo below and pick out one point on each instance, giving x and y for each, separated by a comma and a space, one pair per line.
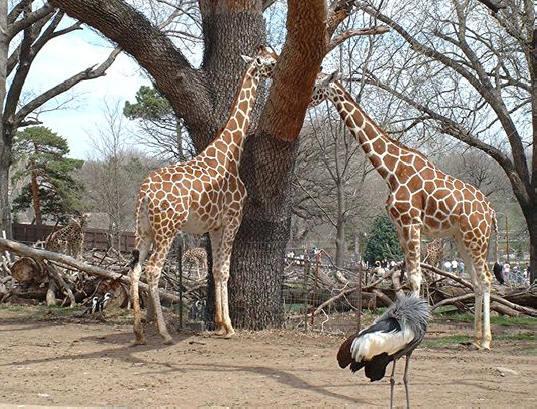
394, 334
92, 307
103, 302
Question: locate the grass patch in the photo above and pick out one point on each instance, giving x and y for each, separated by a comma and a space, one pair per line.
443, 342
495, 320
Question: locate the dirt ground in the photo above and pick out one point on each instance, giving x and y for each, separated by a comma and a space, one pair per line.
65, 362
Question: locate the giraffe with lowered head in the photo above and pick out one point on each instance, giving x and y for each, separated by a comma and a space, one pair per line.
422, 200
202, 195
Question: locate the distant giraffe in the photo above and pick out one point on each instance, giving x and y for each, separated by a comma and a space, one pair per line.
69, 239
198, 256
434, 252
423, 200
202, 195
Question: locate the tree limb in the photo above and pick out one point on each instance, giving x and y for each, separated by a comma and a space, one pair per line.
29, 19
88, 73
173, 75
340, 38
297, 69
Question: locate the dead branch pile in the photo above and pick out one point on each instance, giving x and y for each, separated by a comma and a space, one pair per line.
378, 288
38, 275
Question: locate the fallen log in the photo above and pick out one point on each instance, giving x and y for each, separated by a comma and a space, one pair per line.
70, 262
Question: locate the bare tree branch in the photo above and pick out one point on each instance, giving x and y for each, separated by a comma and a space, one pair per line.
88, 73
29, 19
337, 40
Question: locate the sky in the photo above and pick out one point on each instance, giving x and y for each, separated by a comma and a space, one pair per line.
80, 118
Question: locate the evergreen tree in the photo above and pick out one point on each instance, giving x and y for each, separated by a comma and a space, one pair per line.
149, 105
383, 242
51, 191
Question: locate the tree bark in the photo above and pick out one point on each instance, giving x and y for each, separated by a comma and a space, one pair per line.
36, 199
5, 144
531, 219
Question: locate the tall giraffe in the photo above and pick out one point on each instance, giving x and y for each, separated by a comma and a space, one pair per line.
202, 195
423, 200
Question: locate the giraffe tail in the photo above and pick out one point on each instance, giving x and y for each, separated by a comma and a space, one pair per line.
497, 269
143, 234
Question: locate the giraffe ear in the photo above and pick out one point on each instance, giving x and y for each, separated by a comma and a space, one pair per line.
335, 76
247, 59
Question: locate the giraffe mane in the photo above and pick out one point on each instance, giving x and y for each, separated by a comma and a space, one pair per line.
382, 131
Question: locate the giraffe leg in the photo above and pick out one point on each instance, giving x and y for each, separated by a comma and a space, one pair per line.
478, 314
411, 238
471, 267
483, 283
138, 328
223, 259
135, 274
153, 269
216, 244
487, 333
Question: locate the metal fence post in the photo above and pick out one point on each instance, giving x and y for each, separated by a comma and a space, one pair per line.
180, 271
359, 312
306, 292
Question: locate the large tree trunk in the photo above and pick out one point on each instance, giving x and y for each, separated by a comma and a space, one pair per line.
531, 219
5, 144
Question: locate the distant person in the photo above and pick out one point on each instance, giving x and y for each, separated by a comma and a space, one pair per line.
506, 271
455, 266
447, 266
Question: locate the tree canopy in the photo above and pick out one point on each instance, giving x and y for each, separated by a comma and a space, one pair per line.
50, 187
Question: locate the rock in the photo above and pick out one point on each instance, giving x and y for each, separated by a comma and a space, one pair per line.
503, 371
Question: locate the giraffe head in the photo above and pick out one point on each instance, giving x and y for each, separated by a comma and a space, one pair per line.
324, 87
263, 63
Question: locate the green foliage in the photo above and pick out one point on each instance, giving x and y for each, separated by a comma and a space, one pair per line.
383, 242
44, 153
149, 105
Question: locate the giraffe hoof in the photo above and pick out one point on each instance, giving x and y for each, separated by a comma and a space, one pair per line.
475, 345
229, 335
219, 332
137, 342
168, 340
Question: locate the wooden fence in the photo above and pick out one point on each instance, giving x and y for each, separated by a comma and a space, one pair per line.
94, 238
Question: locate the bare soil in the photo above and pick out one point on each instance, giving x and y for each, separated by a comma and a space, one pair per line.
59, 361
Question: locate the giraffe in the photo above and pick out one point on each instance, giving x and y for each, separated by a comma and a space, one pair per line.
197, 255
69, 239
423, 200
202, 195
434, 253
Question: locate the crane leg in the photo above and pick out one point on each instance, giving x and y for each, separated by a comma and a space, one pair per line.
405, 381
392, 384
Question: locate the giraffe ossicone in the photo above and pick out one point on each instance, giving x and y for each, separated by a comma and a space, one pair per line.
422, 200
202, 195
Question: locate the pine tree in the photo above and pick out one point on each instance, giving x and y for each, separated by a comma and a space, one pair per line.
51, 191
383, 242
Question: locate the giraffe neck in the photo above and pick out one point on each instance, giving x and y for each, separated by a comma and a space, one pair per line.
383, 152
230, 140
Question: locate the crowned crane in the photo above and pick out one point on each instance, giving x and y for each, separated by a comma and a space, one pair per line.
394, 334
